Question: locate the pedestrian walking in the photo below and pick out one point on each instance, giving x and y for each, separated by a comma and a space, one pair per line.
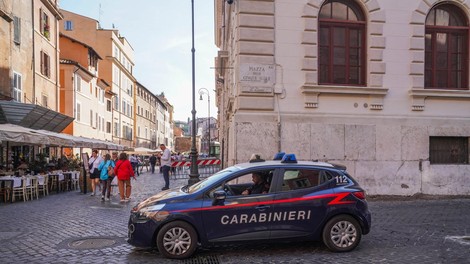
106, 168
173, 158
179, 158
153, 162
93, 164
114, 158
165, 164
134, 164
124, 172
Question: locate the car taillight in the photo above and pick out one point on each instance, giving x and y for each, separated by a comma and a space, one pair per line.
360, 195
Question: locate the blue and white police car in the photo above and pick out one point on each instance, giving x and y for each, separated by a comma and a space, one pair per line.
256, 201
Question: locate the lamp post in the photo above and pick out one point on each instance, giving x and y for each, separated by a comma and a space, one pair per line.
193, 173
201, 92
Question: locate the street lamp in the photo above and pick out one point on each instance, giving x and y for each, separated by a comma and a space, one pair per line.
201, 92
193, 173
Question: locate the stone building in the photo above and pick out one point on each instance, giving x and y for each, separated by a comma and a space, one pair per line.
379, 86
30, 52
145, 118
84, 95
116, 69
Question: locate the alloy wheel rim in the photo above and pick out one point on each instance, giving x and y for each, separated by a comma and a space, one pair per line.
176, 241
343, 234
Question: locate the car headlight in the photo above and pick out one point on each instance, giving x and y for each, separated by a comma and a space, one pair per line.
153, 212
152, 208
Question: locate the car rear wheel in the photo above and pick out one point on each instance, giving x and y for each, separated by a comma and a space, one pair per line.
177, 240
342, 233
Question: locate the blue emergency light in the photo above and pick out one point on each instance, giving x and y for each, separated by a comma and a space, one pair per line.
289, 158
279, 156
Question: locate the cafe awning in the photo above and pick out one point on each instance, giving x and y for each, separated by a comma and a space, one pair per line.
32, 116
19, 134
14, 133
142, 150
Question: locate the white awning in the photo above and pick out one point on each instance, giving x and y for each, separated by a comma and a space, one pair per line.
19, 134
141, 150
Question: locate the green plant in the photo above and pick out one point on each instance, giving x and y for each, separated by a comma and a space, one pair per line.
39, 164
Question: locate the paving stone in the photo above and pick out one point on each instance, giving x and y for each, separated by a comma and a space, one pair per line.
413, 230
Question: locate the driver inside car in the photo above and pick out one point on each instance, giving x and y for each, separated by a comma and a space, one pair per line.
259, 186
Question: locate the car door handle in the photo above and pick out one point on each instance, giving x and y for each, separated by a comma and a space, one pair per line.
262, 207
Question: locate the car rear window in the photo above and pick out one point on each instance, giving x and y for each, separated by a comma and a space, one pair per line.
294, 179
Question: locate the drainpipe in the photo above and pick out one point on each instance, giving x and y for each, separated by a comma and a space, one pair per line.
57, 70
279, 91
33, 99
74, 89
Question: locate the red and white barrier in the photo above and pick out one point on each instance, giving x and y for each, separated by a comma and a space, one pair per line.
199, 163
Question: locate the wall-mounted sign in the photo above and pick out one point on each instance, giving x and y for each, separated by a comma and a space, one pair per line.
257, 75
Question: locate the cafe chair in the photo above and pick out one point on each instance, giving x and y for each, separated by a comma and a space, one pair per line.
5, 190
20, 191
74, 180
32, 189
43, 185
53, 182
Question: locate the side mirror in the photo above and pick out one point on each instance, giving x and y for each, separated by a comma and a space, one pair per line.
219, 197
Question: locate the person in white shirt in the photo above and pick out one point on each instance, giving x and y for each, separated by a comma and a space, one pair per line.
166, 165
93, 164
135, 164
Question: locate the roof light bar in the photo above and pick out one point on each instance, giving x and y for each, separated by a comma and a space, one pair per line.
289, 158
279, 156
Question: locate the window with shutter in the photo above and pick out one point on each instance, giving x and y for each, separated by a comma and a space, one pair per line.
68, 25
45, 64
16, 89
17, 30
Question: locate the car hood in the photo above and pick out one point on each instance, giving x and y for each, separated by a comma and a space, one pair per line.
162, 197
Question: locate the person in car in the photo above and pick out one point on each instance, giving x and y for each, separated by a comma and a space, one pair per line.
259, 186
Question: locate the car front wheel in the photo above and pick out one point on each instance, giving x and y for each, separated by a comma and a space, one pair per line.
342, 233
177, 240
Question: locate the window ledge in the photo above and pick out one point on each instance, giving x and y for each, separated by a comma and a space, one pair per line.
419, 96
376, 94
5, 15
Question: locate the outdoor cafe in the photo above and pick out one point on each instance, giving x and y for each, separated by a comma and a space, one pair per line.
35, 162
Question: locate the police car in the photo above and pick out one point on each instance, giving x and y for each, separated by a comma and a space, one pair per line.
291, 200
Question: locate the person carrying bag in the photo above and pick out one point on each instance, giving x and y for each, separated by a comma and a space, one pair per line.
106, 168
93, 164
124, 172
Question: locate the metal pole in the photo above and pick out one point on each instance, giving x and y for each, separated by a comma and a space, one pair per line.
201, 92
209, 121
193, 174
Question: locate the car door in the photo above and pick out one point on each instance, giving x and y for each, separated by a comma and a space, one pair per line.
300, 204
238, 217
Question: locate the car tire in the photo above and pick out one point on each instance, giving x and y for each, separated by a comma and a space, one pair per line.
342, 233
177, 240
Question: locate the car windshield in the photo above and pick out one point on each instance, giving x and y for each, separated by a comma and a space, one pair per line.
210, 180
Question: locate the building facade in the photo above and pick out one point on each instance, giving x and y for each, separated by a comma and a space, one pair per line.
83, 94
379, 86
145, 118
165, 122
30, 41
116, 69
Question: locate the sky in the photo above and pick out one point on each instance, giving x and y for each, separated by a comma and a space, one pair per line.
160, 33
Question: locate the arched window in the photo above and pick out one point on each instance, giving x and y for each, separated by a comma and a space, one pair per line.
446, 48
342, 43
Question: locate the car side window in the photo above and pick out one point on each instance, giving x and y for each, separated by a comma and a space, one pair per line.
256, 182
295, 179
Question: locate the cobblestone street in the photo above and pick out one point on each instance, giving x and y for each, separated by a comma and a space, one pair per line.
71, 227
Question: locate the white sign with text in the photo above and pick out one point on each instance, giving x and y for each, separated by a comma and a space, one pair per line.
255, 76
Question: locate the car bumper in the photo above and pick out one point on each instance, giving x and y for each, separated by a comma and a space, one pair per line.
141, 234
